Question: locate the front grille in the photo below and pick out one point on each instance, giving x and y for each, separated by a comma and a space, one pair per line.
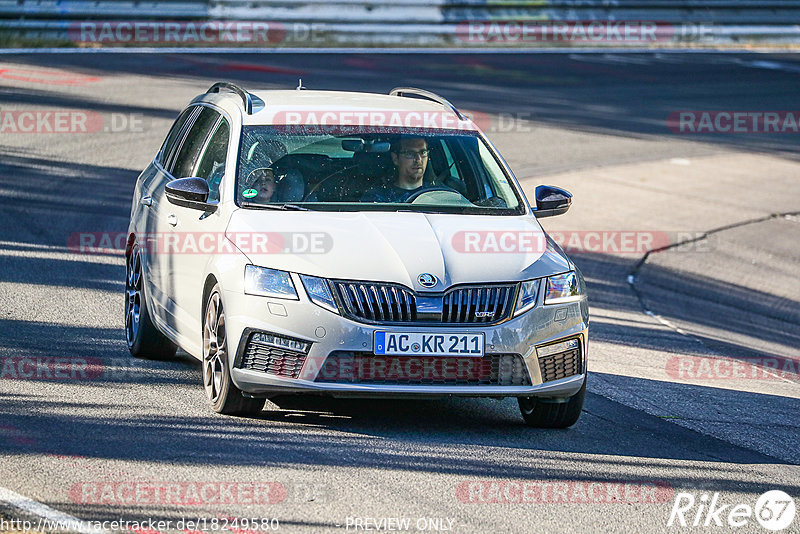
560, 365
388, 303
258, 356
377, 302
368, 368
485, 304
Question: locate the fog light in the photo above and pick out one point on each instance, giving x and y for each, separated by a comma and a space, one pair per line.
281, 342
555, 348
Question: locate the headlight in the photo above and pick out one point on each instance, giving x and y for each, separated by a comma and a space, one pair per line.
527, 296
319, 292
268, 283
562, 288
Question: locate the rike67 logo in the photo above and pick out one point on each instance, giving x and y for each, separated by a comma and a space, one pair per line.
774, 510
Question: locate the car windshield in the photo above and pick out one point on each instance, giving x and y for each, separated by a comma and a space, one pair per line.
391, 170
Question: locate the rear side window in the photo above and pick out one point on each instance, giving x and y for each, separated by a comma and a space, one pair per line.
172, 137
193, 144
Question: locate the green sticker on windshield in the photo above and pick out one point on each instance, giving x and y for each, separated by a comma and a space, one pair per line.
249, 193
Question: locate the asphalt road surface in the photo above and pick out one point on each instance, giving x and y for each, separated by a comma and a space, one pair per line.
693, 386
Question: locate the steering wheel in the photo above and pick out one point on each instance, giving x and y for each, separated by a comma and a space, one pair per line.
416, 194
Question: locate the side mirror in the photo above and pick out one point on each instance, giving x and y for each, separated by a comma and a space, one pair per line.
190, 193
551, 201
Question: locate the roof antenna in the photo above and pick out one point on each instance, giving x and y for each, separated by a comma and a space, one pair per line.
300, 84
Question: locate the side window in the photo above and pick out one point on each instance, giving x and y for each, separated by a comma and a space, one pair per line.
499, 181
212, 162
448, 156
173, 135
452, 176
462, 151
193, 144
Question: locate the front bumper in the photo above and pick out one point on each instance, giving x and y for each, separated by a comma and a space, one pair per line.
328, 332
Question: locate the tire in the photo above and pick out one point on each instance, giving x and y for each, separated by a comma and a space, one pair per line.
542, 413
143, 338
222, 394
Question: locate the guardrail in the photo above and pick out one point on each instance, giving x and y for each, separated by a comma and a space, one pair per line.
433, 11
431, 22
119, 9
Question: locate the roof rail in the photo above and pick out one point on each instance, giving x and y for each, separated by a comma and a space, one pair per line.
246, 98
401, 91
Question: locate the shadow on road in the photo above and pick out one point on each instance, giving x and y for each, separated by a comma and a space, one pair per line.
617, 94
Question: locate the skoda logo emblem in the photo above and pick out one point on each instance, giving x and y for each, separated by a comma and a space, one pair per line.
426, 280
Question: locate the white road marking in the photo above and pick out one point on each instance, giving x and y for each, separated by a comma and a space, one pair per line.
50, 516
631, 279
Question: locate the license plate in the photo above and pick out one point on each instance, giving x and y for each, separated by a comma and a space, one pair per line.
425, 344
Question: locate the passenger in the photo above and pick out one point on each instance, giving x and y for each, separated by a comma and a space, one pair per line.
263, 182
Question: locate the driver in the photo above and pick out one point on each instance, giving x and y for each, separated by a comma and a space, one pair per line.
410, 158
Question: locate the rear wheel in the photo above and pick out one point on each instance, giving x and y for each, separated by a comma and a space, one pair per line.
222, 393
144, 339
547, 413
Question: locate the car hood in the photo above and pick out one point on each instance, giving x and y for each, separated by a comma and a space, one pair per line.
397, 246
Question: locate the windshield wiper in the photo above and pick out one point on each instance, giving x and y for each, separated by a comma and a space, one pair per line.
256, 205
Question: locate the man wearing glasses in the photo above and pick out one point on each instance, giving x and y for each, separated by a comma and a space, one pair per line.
410, 158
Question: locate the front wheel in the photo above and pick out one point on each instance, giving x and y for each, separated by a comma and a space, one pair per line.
544, 413
222, 393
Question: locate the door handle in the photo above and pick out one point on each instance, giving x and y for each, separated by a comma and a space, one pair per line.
172, 219
146, 201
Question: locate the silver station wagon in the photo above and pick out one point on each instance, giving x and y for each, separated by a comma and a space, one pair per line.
351, 245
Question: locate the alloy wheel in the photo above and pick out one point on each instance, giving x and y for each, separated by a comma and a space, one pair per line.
214, 348
133, 295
